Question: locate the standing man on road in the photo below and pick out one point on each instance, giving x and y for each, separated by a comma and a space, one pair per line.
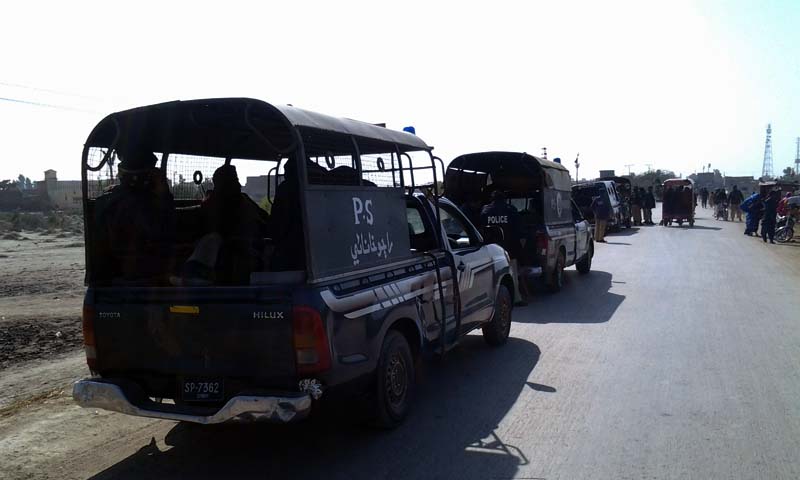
734, 200
636, 206
602, 212
704, 197
770, 216
649, 202
500, 214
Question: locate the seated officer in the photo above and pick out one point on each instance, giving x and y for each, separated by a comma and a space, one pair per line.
235, 228
134, 230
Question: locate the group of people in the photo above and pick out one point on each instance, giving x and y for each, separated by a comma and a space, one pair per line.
725, 205
140, 235
765, 210
642, 202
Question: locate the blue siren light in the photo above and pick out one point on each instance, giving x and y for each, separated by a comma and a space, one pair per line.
410, 130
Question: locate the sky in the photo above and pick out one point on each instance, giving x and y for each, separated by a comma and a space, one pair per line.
627, 84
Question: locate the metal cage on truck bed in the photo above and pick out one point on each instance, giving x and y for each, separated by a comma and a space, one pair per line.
351, 176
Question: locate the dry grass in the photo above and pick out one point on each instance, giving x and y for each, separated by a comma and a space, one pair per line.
21, 403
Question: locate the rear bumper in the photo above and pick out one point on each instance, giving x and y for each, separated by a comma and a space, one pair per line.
107, 395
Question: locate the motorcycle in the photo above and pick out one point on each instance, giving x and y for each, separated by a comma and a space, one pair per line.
721, 212
785, 230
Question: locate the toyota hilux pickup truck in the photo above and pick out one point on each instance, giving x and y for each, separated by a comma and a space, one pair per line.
202, 306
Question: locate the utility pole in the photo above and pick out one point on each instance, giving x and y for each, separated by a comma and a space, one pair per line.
629, 168
578, 165
766, 169
797, 158
649, 165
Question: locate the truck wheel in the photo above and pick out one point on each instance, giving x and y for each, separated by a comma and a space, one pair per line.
585, 265
495, 333
557, 276
395, 381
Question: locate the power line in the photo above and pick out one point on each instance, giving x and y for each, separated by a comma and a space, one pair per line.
47, 90
46, 105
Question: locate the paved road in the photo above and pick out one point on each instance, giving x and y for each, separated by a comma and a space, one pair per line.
676, 358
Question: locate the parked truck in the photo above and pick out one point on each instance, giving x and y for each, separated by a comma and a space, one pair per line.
355, 275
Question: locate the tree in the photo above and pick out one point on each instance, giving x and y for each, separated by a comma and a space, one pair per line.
651, 178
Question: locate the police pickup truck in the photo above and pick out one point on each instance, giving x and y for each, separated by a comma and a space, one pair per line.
193, 314
552, 233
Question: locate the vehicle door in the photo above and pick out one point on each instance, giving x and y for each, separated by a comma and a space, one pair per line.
583, 233
474, 265
613, 202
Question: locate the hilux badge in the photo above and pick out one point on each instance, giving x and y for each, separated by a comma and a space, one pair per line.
267, 315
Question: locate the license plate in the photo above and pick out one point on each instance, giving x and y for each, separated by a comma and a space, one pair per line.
202, 389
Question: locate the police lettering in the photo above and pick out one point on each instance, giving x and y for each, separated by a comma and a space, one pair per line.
359, 209
497, 219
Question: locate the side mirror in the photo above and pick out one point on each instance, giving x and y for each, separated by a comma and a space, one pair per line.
493, 234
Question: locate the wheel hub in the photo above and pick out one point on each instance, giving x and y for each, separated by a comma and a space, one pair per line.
396, 378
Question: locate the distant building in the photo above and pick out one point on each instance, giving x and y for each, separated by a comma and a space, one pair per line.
709, 180
62, 194
256, 187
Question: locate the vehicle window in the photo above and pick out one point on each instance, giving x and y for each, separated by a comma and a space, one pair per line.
421, 236
415, 224
576, 212
456, 230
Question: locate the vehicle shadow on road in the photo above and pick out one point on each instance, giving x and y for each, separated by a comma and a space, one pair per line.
625, 232
584, 299
686, 226
451, 432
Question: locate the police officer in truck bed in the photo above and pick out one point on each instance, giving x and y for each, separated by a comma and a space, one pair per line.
501, 214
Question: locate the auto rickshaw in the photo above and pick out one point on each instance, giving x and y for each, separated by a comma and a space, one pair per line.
679, 201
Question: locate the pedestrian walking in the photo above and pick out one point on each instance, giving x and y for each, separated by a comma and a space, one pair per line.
720, 203
636, 206
649, 203
704, 197
602, 212
770, 216
735, 199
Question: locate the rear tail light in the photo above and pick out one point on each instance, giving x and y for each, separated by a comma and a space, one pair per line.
541, 243
87, 322
310, 341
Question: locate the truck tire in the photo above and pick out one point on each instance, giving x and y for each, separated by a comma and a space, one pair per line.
495, 333
585, 265
556, 280
395, 381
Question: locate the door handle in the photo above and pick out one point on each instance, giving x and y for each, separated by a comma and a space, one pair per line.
461, 267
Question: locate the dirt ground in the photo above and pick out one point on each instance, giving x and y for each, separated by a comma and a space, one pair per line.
41, 291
